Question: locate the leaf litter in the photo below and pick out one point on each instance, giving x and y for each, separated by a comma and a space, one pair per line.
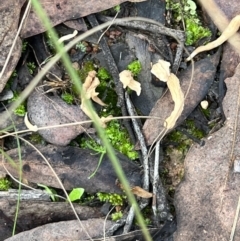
177, 107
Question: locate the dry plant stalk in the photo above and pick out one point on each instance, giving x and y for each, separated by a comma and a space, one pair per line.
89, 89
161, 71
231, 29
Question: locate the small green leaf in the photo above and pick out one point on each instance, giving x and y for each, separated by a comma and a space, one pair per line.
50, 191
76, 194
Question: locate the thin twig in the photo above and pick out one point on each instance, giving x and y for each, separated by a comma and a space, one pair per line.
143, 146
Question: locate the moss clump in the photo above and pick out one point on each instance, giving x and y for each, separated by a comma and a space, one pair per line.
107, 93
35, 138
21, 109
68, 98
120, 140
193, 130
135, 67
86, 67
116, 216
117, 136
5, 184
31, 67
103, 74
187, 11
113, 198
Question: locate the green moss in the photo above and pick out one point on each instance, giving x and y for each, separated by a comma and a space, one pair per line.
81, 46
83, 72
187, 11
5, 184
116, 216
21, 109
68, 98
195, 31
113, 198
135, 67
31, 67
119, 138
36, 138
193, 130
24, 46
182, 141
103, 74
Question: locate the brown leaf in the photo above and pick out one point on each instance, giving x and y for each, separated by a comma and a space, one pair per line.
206, 200
65, 230
9, 16
73, 166
61, 10
46, 110
141, 192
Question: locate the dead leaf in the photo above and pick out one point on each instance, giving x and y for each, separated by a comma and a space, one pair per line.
61, 10
66, 230
9, 16
73, 166
46, 110
207, 198
140, 192
126, 78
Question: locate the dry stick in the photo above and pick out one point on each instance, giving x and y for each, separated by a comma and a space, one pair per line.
155, 179
144, 202
142, 143
161, 205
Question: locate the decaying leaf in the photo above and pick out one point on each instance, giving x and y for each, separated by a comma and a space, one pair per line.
89, 89
162, 72
126, 78
141, 192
